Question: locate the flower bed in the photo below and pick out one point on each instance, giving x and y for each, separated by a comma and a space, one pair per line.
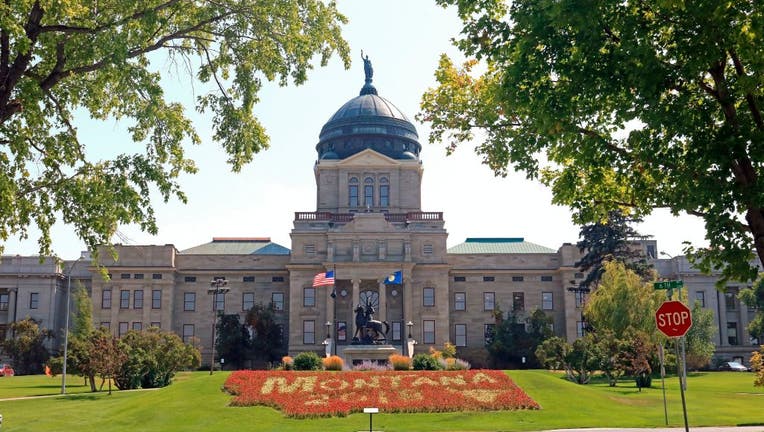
311, 394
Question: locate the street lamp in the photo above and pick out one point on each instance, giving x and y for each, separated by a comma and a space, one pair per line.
66, 320
217, 286
328, 329
410, 325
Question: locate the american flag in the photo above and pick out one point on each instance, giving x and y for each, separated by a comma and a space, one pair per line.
324, 279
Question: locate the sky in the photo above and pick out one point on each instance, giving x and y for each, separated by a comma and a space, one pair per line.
404, 40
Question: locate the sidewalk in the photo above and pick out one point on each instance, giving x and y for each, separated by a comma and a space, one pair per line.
680, 429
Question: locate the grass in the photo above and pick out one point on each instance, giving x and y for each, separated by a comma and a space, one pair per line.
195, 403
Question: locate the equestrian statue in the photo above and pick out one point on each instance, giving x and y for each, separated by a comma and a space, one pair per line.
368, 331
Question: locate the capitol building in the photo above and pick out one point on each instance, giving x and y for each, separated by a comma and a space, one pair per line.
367, 224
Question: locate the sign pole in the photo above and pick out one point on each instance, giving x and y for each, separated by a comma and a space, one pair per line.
663, 382
681, 388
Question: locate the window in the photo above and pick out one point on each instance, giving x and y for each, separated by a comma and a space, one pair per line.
460, 301
342, 330
428, 297
277, 279
138, 276
277, 299
248, 279
4, 299
138, 299
700, 297
651, 251
309, 332
123, 326
459, 279
353, 195
218, 302
546, 278
489, 301
729, 300
427, 249
106, 299
137, 326
397, 329
189, 301
156, 299
580, 298
34, 300
156, 324
188, 333
517, 278
460, 335
124, 275
580, 328
309, 249
578, 275
732, 333
124, 299
3, 332
189, 279
428, 331
547, 302
489, 330
384, 195
247, 301
105, 324
156, 276
488, 278
518, 301
309, 297
368, 192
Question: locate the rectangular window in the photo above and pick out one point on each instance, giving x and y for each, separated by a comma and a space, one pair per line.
138, 276
189, 279
247, 301
106, 299
517, 278
138, 299
460, 279
732, 333
156, 276
123, 327
34, 300
137, 326
342, 331
700, 297
219, 302
4, 299
308, 332
489, 330
3, 332
248, 279
547, 302
729, 300
546, 278
309, 249
188, 333
460, 335
368, 195
277, 279
427, 249
124, 275
353, 196
580, 328
460, 301
651, 251
384, 195
309, 297
428, 297
397, 329
189, 301
156, 299
428, 331
277, 299
124, 299
156, 324
580, 298
489, 279
489, 301
105, 324
518, 301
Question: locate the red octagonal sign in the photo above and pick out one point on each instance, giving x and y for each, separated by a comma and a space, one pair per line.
673, 318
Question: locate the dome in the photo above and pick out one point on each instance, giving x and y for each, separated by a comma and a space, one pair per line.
368, 121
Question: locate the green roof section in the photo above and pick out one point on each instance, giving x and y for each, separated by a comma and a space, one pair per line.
238, 246
499, 245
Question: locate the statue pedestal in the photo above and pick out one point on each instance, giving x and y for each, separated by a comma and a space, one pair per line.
356, 354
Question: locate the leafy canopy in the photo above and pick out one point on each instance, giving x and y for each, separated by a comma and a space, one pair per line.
630, 105
64, 60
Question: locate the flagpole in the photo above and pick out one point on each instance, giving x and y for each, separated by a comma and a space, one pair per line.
334, 309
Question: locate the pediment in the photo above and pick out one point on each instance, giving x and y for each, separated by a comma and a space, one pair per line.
366, 158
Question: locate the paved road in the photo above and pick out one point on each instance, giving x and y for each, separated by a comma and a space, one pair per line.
692, 429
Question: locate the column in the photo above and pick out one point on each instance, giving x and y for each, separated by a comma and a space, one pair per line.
721, 305
356, 296
12, 304
382, 312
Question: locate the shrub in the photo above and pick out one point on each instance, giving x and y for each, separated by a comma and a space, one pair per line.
307, 360
368, 365
333, 363
287, 363
453, 364
400, 362
425, 362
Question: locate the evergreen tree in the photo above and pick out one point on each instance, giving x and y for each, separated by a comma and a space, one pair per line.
266, 335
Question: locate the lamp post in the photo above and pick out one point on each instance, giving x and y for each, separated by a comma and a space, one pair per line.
410, 325
66, 321
217, 286
328, 329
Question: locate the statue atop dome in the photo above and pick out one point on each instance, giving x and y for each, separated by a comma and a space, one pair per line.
367, 69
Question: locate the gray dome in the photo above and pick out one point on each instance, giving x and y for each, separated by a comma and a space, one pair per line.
368, 121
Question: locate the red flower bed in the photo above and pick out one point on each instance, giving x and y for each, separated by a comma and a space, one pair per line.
308, 394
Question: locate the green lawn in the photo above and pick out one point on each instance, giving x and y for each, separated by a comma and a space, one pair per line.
195, 403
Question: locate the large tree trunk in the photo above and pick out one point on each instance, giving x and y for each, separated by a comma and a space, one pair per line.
755, 219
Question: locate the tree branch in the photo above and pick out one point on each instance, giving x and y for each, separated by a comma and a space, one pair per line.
748, 96
62, 28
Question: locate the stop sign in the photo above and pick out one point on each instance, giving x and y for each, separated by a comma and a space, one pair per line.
673, 318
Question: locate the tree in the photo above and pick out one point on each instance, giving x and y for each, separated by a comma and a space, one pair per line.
267, 340
82, 322
60, 61
515, 340
107, 357
578, 360
233, 341
757, 365
153, 358
632, 105
699, 339
27, 348
610, 240
754, 298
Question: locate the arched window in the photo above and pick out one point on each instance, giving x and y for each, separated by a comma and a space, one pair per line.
368, 192
353, 192
384, 192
